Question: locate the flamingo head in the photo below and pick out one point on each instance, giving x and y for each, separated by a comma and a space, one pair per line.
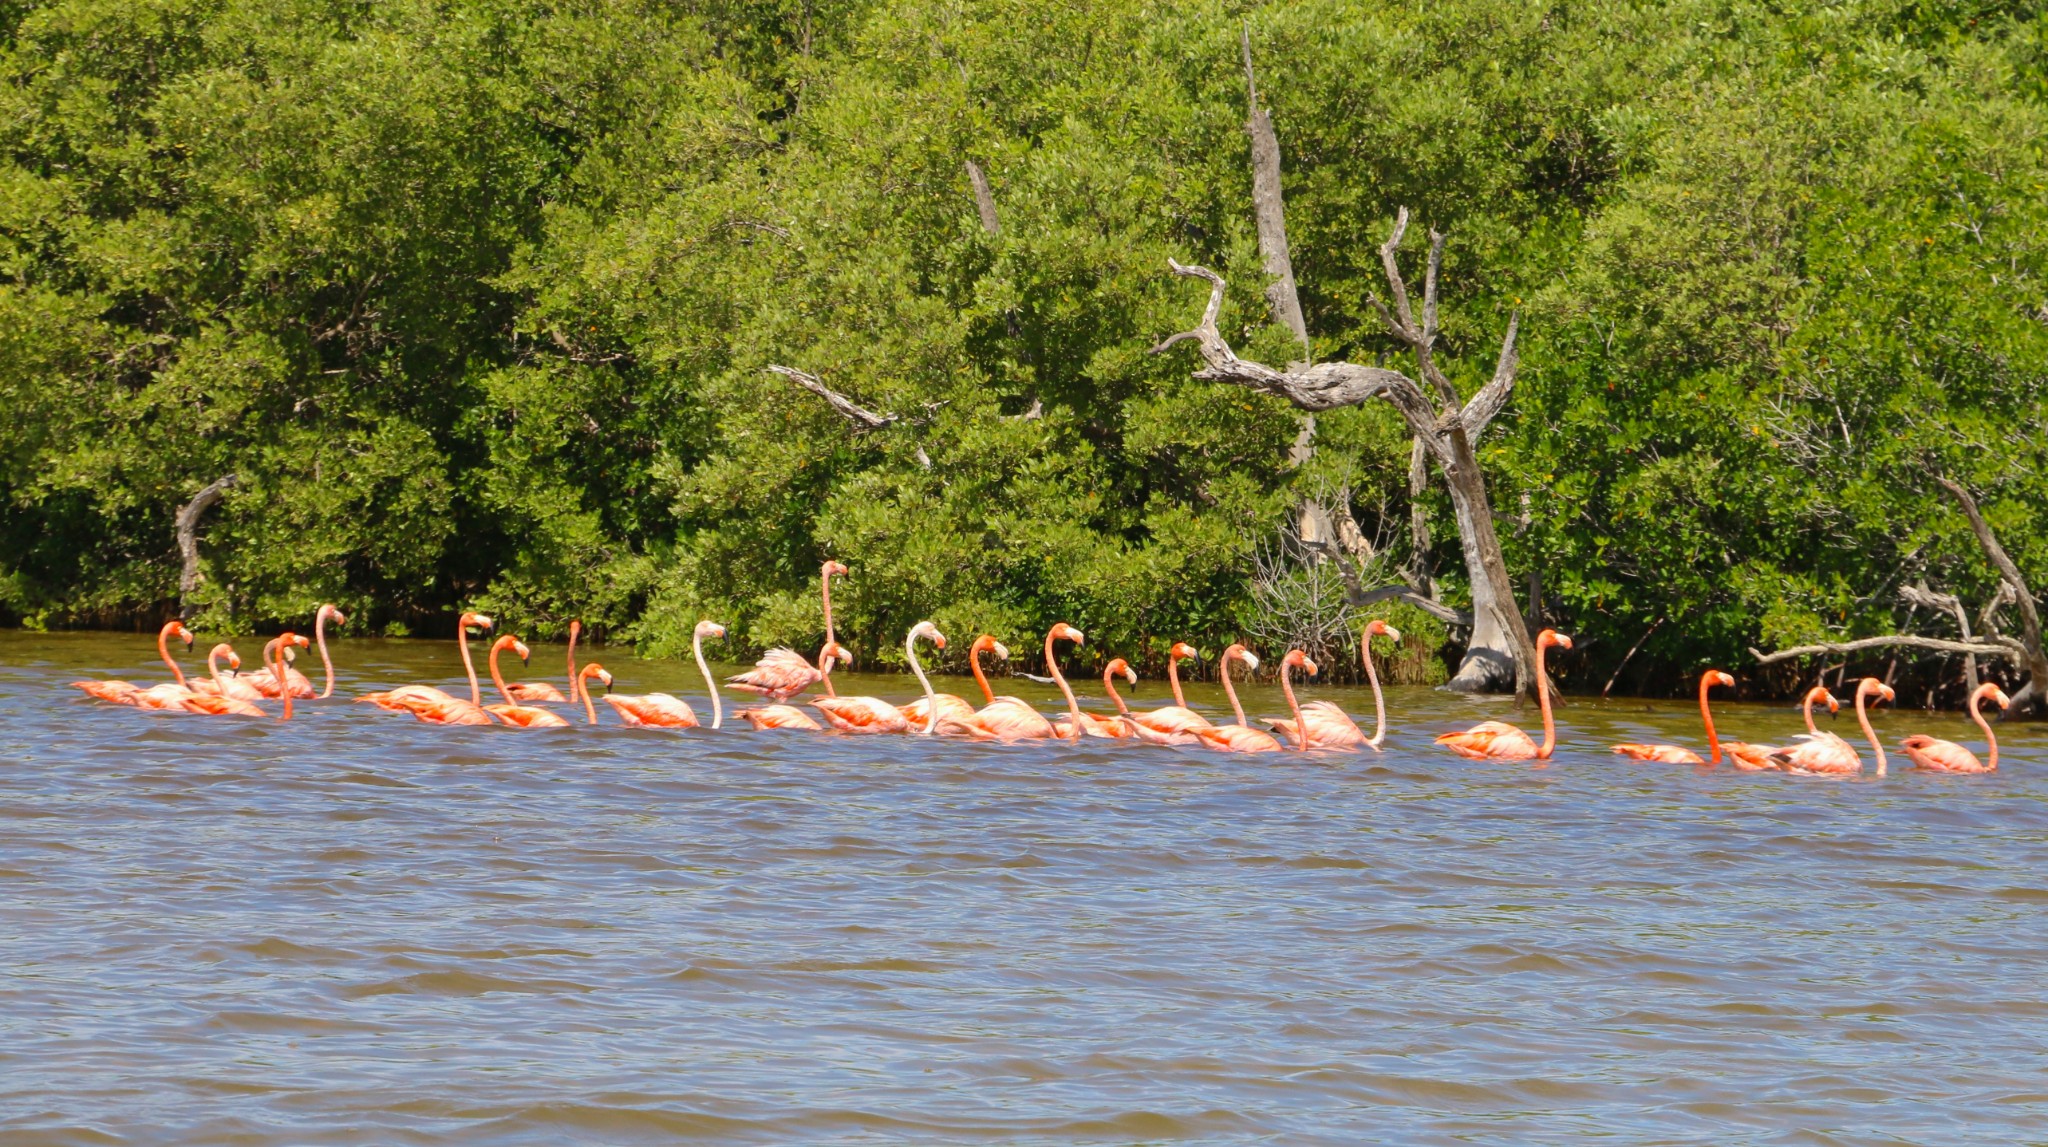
227, 651
329, 613
930, 631
1118, 667
1064, 632
1250, 659
1716, 677
1819, 695
1553, 637
837, 652
1299, 660
708, 629
1182, 651
512, 643
987, 643
1994, 694
1872, 687
177, 629
834, 569
1378, 627
575, 629
603, 675
476, 621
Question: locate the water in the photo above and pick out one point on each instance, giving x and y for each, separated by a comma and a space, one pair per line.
357, 929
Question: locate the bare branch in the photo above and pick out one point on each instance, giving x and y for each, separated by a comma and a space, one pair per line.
984, 199
188, 536
1414, 597
1494, 395
2030, 617
1402, 321
1990, 647
1436, 263
861, 418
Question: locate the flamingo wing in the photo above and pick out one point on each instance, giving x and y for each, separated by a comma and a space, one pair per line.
1941, 756
112, 692
541, 693
778, 717
1172, 719
526, 717
861, 714
1668, 754
653, 710
1327, 726
1238, 739
168, 697
1816, 754
452, 711
1012, 720
951, 708
1490, 741
217, 705
779, 674
1751, 758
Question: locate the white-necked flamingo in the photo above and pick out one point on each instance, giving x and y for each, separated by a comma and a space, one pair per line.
1325, 726
953, 708
218, 701
1825, 754
1500, 741
433, 705
874, 715
665, 711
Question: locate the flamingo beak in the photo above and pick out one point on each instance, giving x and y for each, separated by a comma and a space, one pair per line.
1393, 635
1001, 651
1251, 660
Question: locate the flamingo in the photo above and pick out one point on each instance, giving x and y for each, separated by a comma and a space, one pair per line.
124, 693
782, 673
512, 712
266, 684
582, 687
1500, 741
874, 715
219, 701
953, 708
1075, 725
1241, 737
279, 648
780, 716
662, 711
1947, 756
1121, 726
1825, 754
1679, 754
320, 619
432, 705
1325, 726
1177, 719
542, 693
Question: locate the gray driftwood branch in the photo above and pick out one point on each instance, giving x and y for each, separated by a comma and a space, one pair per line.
857, 416
188, 536
1990, 647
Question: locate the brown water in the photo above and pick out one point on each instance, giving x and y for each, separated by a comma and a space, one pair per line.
357, 929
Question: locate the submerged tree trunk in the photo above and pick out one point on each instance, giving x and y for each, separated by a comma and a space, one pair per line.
1500, 653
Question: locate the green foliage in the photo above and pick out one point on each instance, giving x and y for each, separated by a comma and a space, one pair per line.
476, 300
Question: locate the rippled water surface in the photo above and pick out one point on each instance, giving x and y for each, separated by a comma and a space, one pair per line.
353, 928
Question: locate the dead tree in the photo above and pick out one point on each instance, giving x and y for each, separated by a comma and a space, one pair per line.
188, 538
1500, 654
863, 420
2030, 696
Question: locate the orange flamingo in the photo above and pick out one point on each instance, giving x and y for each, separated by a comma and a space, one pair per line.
874, 715
281, 647
1175, 720
512, 712
1241, 737
219, 701
542, 693
782, 673
1121, 726
954, 708
582, 687
1947, 756
432, 705
1679, 754
1825, 754
1325, 726
663, 711
1500, 741
124, 693
781, 716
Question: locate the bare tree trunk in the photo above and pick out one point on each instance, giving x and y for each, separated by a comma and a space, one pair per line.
1500, 653
1419, 570
1271, 213
2031, 695
188, 538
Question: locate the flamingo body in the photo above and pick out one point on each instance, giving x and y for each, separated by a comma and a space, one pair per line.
1818, 754
1491, 741
112, 692
1325, 727
526, 717
778, 676
779, 717
1941, 756
540, 693
217, 705
653, 711
1667, 754
861, 714
1238, 739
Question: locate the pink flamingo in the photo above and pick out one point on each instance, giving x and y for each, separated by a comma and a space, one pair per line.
124, 693
954, 708
542, 693
219, 701
512, 712
266, 685
1947, 756
1325, 726
782, 673
582, 687
320, 619
663, 711
279, 648
1175, 720
781, 716
1241, 737
1825, 754
1075, 725
874, 715
1500, 741
1121, 726
1679, 754
421, 699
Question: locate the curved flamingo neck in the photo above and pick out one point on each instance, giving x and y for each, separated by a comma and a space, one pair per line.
1543, 700
1230, 691
1707, 719
1173, 679
1052, 666
1109, 684
1990, 739
988, 695
825, 592
163, 648
498, 678
283, 667
931, 700
1287, 689
1806, 711
582, 687
213, 671
825, 664
320, 639
575, 682
476, 693
1863, 719
717, 706
1379, 700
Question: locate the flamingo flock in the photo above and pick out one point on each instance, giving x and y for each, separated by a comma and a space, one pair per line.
781, 674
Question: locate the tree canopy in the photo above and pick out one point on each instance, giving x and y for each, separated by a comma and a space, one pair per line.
475, 298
